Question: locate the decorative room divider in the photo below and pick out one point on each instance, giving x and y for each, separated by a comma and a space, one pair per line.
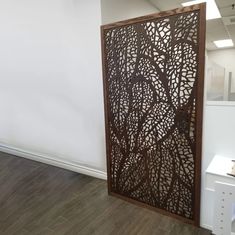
153, 70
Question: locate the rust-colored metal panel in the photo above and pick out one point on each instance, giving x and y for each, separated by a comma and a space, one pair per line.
153, 70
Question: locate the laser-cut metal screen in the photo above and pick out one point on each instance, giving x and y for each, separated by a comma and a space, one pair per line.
153, 84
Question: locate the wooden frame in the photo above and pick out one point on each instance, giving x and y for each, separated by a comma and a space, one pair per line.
201, 8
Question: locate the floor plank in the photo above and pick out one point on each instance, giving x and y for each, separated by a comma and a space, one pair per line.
39, 199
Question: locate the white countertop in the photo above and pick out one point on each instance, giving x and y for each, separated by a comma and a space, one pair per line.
220, 166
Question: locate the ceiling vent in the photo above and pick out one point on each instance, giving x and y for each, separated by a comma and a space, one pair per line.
229, 20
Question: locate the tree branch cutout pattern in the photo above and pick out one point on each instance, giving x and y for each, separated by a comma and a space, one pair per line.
151, 71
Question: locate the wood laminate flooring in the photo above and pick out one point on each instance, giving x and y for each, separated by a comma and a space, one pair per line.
38, 199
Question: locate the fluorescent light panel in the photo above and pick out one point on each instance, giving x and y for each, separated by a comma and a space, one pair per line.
224, 43
212, 11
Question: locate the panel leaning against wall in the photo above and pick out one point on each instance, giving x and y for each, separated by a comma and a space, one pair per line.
153, 88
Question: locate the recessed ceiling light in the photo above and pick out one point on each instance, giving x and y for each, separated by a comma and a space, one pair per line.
212, 11
224, 43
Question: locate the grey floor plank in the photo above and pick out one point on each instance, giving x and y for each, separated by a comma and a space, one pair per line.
39, 199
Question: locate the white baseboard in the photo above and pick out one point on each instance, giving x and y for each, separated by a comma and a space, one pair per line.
206, 226
76, 167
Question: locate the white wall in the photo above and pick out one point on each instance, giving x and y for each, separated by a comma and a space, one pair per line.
51, 97
116, 10
51, 85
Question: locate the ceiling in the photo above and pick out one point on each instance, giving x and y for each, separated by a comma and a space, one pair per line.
217, 29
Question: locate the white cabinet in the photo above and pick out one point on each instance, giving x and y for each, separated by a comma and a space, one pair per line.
223, 188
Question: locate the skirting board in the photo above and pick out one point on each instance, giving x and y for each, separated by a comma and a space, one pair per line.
54, 162
206, 226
